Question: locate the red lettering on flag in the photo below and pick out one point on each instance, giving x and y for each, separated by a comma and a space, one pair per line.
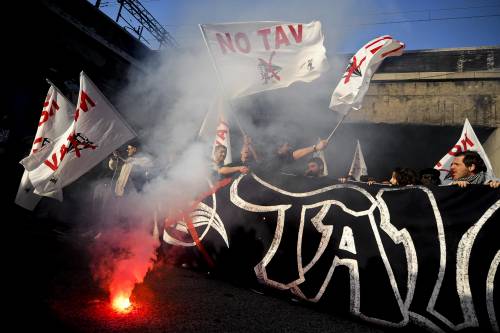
455, 150
222, 134
44, 117
46, 114
84, 98
296, 36
63, 151
264, 33
375, 42
466, 141
354, 66
240, 36
37, 141
223, 43
280, 37
392, 51
54, 164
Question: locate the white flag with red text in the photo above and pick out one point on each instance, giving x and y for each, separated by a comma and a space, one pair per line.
96, 131
56, 117
467, 141
358, 165
215, 127
354, 84
222, 131
256, 56
222, 137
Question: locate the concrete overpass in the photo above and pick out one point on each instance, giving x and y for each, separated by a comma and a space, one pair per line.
439, 87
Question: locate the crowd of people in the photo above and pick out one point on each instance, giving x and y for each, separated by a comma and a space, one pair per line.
467, 167
131, 172
249, 160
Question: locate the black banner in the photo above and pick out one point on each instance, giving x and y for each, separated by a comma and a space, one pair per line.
388, 255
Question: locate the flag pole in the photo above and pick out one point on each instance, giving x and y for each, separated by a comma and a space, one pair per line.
55, 87
338, 124
219, 79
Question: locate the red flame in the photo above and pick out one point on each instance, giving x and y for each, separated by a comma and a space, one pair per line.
124, 258
122, 304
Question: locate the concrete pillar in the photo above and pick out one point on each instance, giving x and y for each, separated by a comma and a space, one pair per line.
492, 148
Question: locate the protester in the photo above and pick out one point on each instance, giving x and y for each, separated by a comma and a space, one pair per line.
218, 158
315, 168
133, 171
346, 179
285, 155
404, 177
366, 178
247, 156
400, 177
251, 153
468, 168
429, 177
362, 178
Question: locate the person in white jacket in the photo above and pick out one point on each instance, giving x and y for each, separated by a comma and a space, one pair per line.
132, 171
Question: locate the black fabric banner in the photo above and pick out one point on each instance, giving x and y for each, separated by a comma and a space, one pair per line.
388, 255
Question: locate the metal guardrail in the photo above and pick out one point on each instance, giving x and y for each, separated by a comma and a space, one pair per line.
145, 20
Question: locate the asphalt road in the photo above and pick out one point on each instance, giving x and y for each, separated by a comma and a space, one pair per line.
50, 289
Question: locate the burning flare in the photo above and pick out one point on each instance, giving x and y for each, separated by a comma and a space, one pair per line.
121, 260
121, 303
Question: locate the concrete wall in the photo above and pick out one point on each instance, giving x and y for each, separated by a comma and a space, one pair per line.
432, 103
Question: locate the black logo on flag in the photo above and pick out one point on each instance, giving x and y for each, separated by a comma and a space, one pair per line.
308, 64
353, 69
267, 70
45, 141
80, 142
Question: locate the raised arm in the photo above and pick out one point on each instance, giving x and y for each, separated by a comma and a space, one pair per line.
299, 153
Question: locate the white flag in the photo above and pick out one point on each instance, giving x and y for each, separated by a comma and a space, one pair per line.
467, 141
354, 84
222, 138
96, 131
321, 154
54, 121
358, 165
256, 56
215, 124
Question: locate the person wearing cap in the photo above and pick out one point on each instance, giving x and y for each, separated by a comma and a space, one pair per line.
132, 170
429, 177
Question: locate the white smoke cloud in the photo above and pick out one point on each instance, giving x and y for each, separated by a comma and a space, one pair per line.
167, 101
